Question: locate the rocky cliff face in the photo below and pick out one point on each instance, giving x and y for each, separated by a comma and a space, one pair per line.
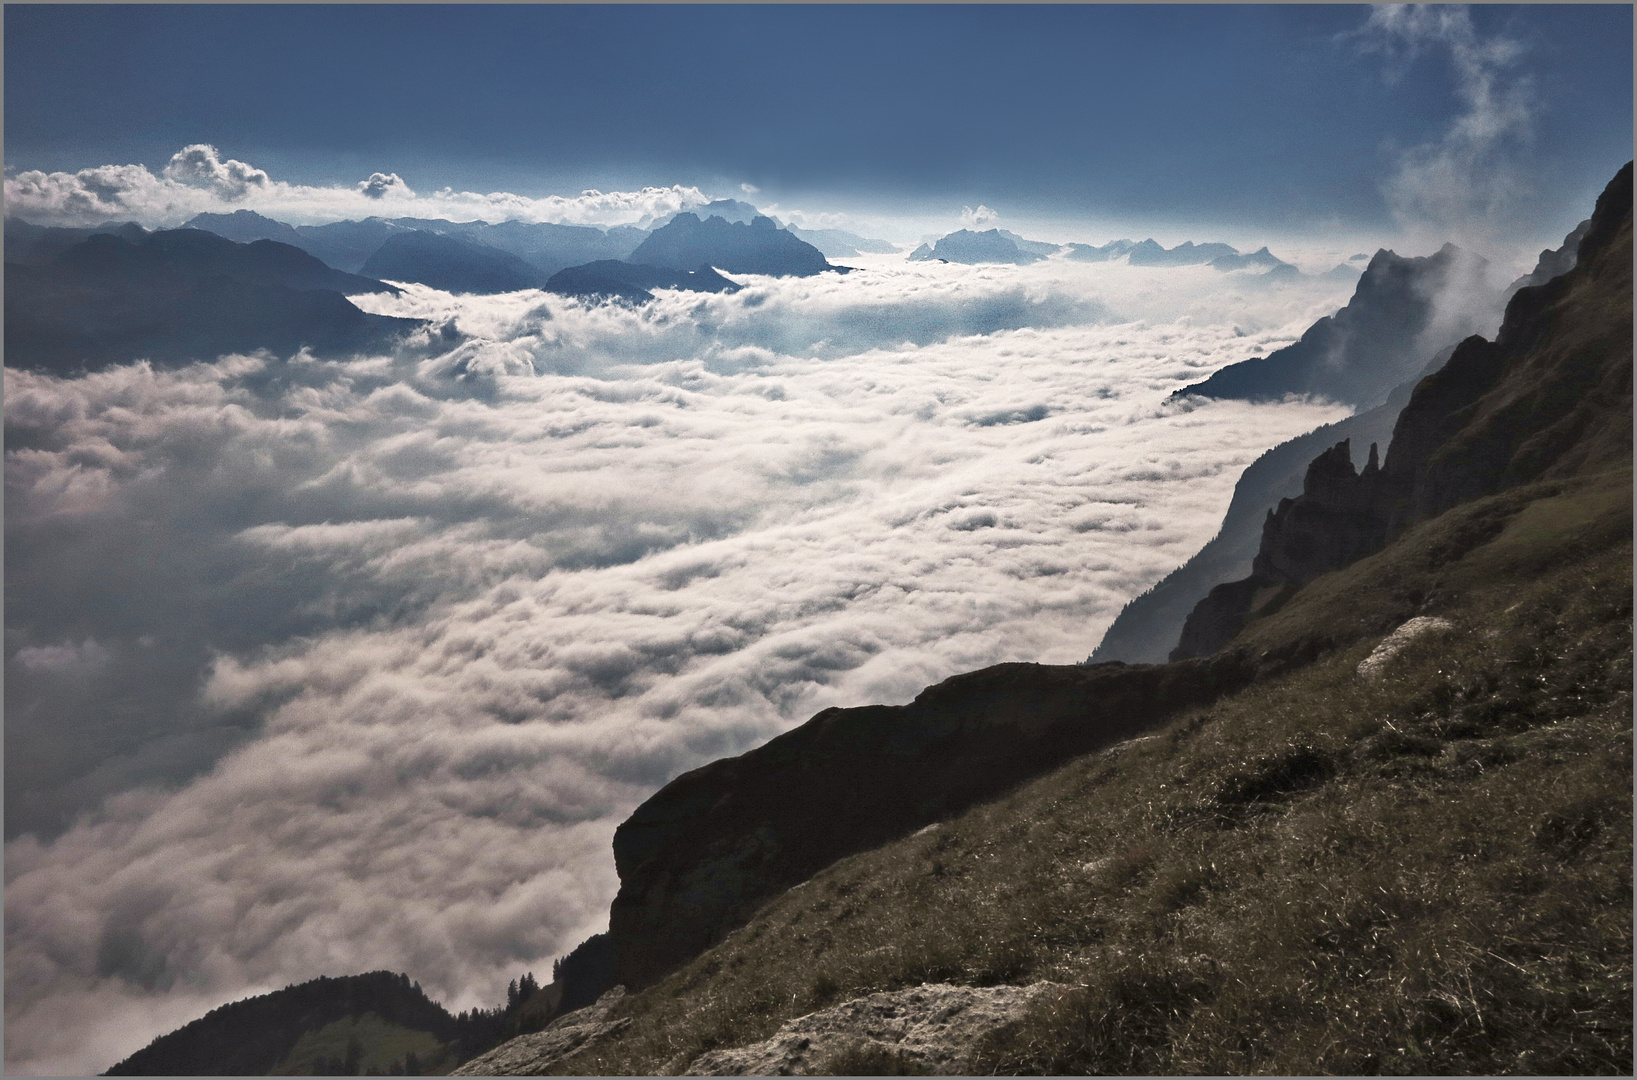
1550, 396
698, 858
1148, 628
1397, 318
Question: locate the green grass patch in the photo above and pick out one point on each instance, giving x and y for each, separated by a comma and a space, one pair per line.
363, 1045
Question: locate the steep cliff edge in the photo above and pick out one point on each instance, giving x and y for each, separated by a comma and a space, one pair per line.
1550, 397
698, 858
1403, 311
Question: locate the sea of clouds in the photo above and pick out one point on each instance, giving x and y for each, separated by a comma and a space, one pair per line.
317, 667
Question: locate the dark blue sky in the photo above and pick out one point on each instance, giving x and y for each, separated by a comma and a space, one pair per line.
1250, 114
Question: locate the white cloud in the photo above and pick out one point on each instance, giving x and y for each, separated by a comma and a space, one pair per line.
198, 180
476, 605
1465, 183
978, 218
380, 185
201, 165
749, 189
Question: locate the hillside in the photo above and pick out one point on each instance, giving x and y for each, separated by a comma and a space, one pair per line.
1323, 874
1278, 858
1550, 396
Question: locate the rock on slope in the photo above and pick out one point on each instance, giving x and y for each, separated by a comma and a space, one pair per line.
1550, 396
532, 1054
929, 1028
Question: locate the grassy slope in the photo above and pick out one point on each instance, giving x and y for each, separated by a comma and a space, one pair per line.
384, 1046
1432, 873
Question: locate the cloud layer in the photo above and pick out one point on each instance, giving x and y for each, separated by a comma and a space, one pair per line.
321, 667
198, 180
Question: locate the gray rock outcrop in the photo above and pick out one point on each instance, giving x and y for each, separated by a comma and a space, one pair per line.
533, 1054
933, 1027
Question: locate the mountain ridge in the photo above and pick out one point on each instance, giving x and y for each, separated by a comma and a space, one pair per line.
1458, 437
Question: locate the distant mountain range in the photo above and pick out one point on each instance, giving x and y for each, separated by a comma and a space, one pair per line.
81, 299
477, 257
348, 245
1002, 246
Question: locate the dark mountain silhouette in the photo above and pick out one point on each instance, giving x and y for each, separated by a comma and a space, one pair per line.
1549, 397
629, 281
347, 245
30, 244
761, 247
450, 263
967, 246
730, 210
182, 295
1553, 262
1034, 247
1149, 626
549, 248
256, 1036
1260, 257
832, 243
1381, 337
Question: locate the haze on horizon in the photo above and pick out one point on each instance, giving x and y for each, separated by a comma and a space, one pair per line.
319, 666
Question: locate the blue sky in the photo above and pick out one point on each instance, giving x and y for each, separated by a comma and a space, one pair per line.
1270, 116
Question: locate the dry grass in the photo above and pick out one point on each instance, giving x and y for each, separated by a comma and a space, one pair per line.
1427, 874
